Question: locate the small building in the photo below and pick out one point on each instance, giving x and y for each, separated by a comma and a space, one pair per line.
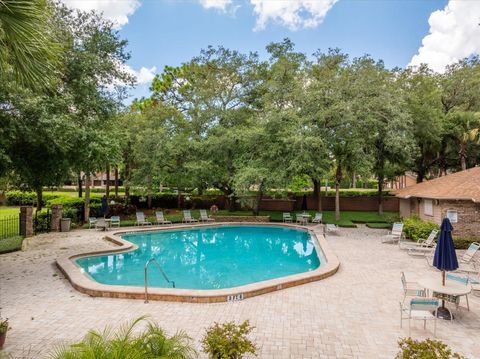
456, 196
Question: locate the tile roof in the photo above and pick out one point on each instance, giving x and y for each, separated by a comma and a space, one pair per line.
463, 185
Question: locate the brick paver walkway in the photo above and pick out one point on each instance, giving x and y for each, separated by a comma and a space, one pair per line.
353, 314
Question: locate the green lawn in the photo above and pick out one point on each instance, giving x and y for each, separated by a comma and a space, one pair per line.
10, 244
8, 211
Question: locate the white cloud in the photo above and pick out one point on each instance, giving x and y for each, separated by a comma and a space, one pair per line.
454, 34
216, 4
143, 76
294, 14
117, 11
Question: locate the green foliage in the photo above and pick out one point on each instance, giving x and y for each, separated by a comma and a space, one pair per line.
70, 212
19, 198
425, 349
379, 225
3, 325
415, 229
127, 342
41, 222
11, 244
464, 242
228, 340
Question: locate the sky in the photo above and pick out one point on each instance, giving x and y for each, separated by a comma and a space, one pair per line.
400, 32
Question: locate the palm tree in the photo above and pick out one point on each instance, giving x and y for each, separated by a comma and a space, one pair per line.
28, 50
465, 129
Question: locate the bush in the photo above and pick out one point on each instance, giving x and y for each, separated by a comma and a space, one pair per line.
11, 244
425, 349
70, 212
228, 341
464, 242
415, 229
20, 198
41, 222
127, 342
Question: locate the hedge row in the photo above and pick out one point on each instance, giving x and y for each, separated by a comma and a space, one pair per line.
415, 229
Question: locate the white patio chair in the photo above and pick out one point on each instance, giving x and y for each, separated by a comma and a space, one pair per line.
301, 219
421, 243
101, 224
395, 234
466, 263
287, 217
161, 218
91, 222
115, 221
141, 221
318, 218
330, 227
422, 251
204, 217
420, 308
187, 217
411, 289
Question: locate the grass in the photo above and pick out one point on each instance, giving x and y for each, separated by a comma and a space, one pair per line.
379, 225
347, 219
10, 244
9, 211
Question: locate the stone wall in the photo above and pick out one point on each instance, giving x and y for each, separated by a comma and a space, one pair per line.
26, 221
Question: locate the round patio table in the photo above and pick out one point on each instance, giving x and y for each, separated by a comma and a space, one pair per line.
451, 287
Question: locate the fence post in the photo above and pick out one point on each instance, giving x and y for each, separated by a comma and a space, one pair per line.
26, 221
56, 217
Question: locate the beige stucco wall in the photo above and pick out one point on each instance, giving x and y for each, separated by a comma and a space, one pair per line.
405, 208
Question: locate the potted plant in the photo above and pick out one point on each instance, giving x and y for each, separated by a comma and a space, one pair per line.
66, 221
3, 331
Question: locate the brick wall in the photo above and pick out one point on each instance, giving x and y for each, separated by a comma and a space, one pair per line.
468, 224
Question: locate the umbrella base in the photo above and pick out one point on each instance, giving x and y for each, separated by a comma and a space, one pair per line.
444, 313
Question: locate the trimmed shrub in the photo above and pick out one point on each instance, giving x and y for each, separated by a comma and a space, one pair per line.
228, 340
11, 244
425, 349
415, 229
464, 242
41, 222
20, 198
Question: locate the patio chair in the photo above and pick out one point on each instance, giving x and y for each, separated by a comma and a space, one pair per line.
411, 289
466, 263
187, 217
422, 251
318, 218
101, 224
141, 221
204, 217
301, 219
420, 308
330, 227
91, 222
395, 234
161, 218
287, 217
421, 243
115, 221
455, 299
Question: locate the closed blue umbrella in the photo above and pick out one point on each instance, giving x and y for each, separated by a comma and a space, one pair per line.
104, 205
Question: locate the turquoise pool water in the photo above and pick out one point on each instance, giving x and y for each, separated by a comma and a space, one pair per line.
208, 257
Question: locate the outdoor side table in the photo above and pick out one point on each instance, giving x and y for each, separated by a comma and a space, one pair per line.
450, 288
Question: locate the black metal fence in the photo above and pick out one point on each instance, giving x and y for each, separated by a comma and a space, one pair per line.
9, 226
42, 222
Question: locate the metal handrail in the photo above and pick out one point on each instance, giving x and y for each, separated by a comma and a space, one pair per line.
153, 260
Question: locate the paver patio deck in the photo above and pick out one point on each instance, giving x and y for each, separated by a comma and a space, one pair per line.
353, 314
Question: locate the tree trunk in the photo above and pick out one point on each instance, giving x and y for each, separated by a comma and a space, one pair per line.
116, 181
317, 192
338, 179
107, 187
354, 180
380, 193
463, 156
39, 191
149, 192
80, 187
258, 198
87, 197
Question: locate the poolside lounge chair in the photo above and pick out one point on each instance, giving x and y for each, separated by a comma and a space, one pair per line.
187, 217
161, 218
301, 219
115, 221
204, 217
101, 224
466, 263
141, 221
330, 227
287, 217
421, 243
91, 222
420, 308
395, 234
411, 289
422, 251
318, 218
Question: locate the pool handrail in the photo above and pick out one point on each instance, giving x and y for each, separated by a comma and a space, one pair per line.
153, 260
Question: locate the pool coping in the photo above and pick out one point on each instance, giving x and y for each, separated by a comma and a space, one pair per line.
86, 285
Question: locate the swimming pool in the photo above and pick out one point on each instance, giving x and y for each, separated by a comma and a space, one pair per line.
208, 258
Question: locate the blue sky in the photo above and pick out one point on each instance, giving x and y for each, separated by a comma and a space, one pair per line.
401, 32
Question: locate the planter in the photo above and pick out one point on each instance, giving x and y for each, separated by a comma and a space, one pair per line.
65, 224
2, 339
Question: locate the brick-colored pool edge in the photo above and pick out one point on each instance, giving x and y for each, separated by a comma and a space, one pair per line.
85, 285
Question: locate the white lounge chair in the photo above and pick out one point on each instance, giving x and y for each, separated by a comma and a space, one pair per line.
422, 251
161, 218
115, 221
101, 224
318, 218
204, 217
287, 217
411, 289
395, 234
330, 227
141, 221
91, 222
466, 263
421, 243
420, 308
301, 218
187, 217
